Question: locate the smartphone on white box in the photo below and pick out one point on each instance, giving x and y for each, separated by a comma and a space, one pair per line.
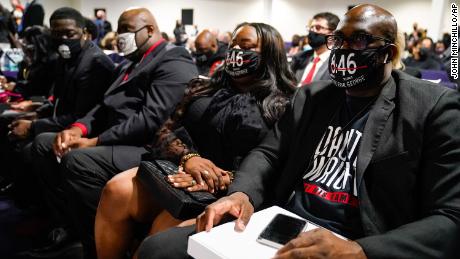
281, 230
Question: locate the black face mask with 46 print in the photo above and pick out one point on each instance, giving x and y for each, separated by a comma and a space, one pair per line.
357, 68
240, 63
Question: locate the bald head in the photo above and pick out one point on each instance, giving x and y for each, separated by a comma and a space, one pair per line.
372, 19
206, 42
381, 29
138, 17
141, 22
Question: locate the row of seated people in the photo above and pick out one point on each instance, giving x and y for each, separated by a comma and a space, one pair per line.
384, 139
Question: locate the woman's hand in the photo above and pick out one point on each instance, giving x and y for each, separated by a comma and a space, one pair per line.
204, 171
187, 181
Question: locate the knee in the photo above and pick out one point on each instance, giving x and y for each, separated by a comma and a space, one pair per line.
43, 144
118, 190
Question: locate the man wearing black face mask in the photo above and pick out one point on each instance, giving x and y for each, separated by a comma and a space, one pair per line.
209, 54
83, 73
112, 137
311, 65
372, 155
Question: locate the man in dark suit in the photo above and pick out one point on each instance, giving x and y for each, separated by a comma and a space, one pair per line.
33, 15
373, 155
111, 138
82, 75
311, 65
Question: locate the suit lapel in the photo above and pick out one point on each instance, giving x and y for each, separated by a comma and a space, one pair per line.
321, 70
155, 54
375, 125
119, 80
137, 69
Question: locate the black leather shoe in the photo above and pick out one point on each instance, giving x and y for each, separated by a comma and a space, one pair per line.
61, 245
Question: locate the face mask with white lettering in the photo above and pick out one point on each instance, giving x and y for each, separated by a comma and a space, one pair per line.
240, 62
356, 68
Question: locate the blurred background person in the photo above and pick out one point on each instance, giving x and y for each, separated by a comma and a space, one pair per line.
103, 26
180, 34
422, 56
7, 28
33, 15
209, 53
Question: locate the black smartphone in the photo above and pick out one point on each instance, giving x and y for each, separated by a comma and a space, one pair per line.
280, 230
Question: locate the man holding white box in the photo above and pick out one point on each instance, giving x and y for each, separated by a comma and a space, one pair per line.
373, 155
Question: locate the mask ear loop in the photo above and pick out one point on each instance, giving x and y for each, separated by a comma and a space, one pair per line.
386, 60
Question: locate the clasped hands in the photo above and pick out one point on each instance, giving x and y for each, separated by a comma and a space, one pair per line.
200, 174
69, 139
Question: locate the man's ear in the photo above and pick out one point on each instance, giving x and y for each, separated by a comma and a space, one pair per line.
150, 30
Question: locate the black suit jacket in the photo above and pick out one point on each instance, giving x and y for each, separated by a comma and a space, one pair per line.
133, 110
408, 168
79, 85
300, 62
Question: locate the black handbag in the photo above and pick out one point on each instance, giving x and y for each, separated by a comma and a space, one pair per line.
181, 204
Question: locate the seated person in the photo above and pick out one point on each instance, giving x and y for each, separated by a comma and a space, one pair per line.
37, 71
111, 137
83, 73
228, 115
423, 57
91, 30
209, 54
81, 76
384, 142
311, 65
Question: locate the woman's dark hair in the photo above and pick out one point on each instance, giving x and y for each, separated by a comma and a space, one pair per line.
275, 82
40, 38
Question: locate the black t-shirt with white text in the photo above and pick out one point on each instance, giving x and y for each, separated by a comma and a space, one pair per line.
327, 194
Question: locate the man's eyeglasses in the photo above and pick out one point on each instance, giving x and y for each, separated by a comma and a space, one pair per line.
317, 28
357, 41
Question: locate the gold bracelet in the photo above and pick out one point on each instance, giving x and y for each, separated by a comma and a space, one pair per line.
185, 158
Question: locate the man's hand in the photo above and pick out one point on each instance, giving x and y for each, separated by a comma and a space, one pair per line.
83, 143
64, 139
20, 129
237, 204
320, 243
189, 182
25, 106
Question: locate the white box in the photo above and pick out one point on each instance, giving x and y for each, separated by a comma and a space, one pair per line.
224, 242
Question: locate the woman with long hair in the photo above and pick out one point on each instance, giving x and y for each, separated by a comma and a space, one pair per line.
217, 123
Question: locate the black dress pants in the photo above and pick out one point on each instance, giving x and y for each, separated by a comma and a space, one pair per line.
74, 186
169, 244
